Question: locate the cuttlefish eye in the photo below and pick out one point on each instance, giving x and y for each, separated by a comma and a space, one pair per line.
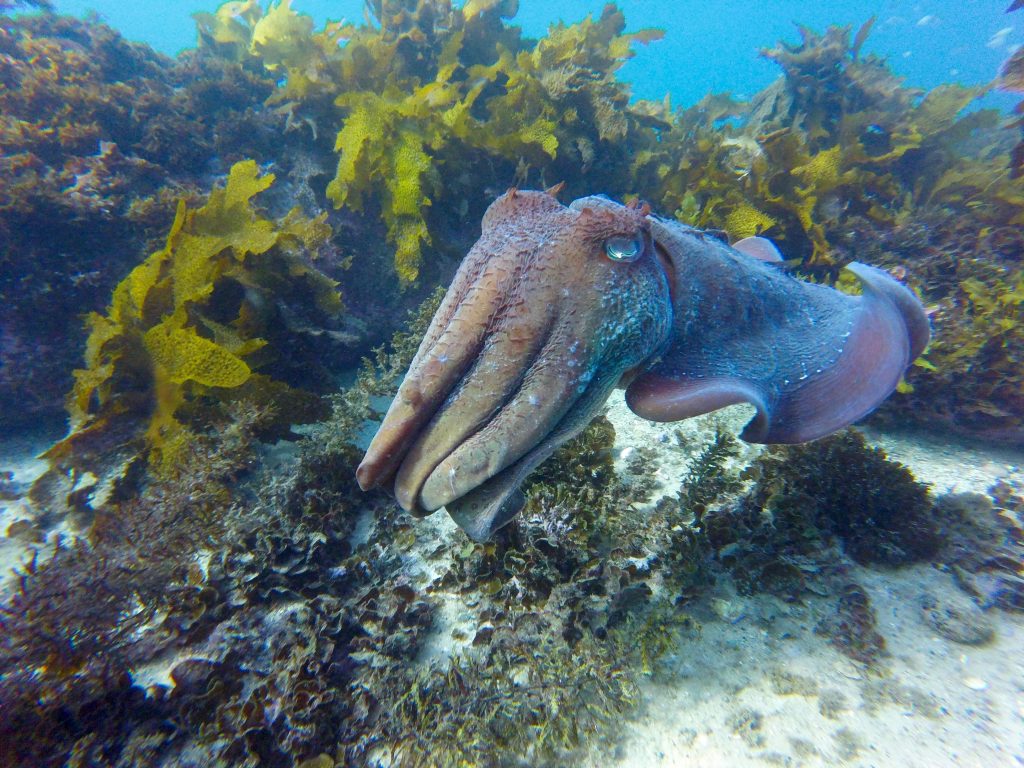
624, 248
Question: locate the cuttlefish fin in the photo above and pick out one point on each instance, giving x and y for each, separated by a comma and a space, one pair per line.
810, 359
760, 248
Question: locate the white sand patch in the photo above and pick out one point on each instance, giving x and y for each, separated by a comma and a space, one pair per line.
677, 444
455, 622
767, 690
20, 465
756, 685
759, 687
951, 465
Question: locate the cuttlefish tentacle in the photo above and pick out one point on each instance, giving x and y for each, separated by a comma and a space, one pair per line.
554, 306
497, 500
549, 390
502, 363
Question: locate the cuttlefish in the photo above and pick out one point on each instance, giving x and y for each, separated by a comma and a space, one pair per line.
555, 306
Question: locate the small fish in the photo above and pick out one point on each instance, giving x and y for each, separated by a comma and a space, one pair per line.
998, 40
927, 21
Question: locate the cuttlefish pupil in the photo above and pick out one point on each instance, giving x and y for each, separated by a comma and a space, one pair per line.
542, 322
623, 248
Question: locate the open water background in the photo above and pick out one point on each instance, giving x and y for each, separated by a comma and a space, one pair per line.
709, 46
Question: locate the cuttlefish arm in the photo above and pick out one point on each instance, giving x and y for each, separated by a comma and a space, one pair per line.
809, 358
554, 306
536, 330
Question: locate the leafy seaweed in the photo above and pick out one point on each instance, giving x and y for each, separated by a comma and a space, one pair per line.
176, 331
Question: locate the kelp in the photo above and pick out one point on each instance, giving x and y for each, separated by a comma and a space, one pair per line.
838, 160
433, 91
99, 138
287, 599
837, 137
185, 328
1011, 78
426, 110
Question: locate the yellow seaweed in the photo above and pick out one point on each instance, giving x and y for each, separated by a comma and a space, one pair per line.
156, 334
747, 221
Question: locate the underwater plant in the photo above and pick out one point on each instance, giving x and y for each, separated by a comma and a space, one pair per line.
86, 611
99, 138
431, 91
970, 379
188, 325
245, 602
1011, 78
242, 619
425, 103
837, 137
851, 490
708, 480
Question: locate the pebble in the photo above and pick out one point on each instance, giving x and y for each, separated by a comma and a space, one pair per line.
975, 683
729, 611
957, 618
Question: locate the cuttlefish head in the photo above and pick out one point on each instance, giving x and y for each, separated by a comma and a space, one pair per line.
550, 309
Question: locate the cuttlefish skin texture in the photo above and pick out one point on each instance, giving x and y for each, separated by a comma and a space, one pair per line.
555, 306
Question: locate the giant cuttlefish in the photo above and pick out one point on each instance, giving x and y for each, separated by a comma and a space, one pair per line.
555, 306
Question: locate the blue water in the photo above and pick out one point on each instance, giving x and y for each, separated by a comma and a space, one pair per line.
708, 46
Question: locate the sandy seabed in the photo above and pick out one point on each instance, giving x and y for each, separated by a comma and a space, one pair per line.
756, 685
